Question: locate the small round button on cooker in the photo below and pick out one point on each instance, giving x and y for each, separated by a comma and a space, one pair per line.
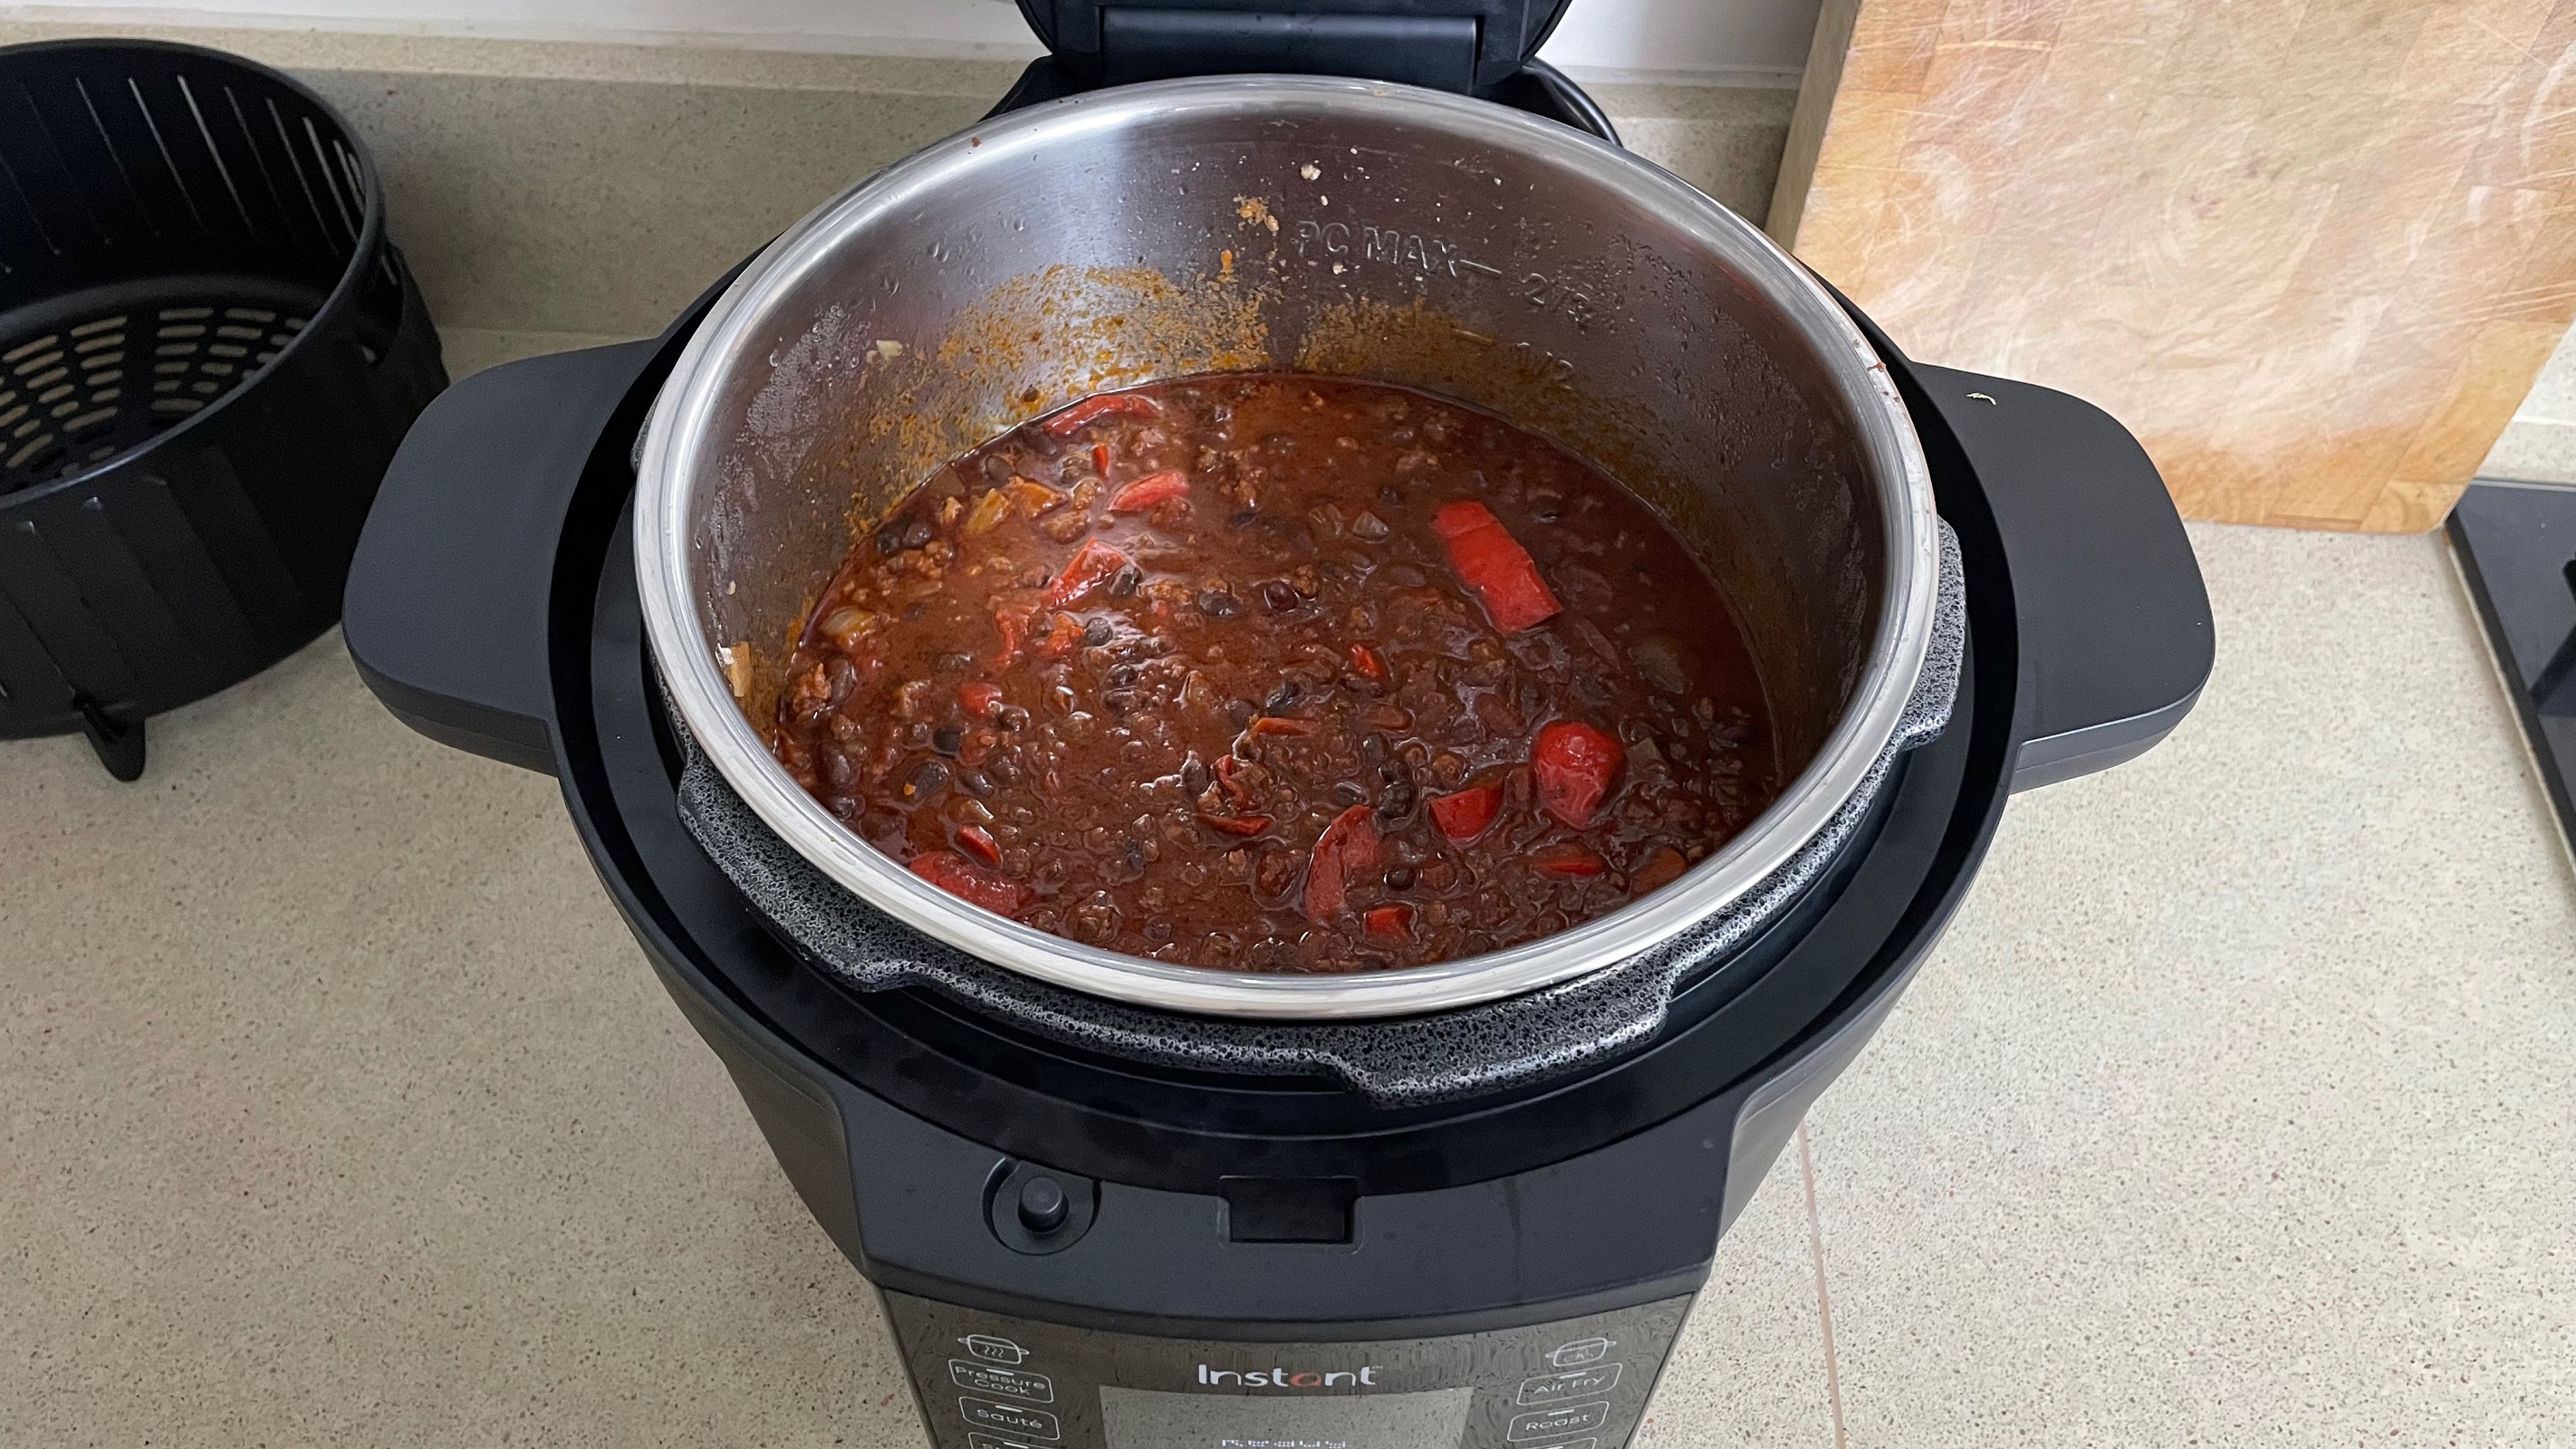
1035, 1209
1042, 1205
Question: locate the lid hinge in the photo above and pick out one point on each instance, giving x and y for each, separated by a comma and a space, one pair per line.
1154, 44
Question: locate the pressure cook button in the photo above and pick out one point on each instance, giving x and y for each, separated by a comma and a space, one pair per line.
1042, 1204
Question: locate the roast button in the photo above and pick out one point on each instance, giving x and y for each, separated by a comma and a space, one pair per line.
1042, 1205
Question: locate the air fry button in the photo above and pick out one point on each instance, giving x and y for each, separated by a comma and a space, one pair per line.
1558, 1423
1580, 1383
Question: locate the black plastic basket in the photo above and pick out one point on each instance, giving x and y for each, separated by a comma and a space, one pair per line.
208, 350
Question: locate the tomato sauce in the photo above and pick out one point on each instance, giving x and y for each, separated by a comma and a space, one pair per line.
1273, 672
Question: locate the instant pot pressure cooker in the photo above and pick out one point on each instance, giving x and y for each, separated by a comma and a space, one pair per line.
1119, 1204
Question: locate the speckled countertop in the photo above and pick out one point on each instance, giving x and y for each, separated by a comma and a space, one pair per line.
337, 1107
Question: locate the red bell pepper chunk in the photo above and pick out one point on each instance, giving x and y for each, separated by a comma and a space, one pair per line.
1567, 860
1100, 405
1092, 565
1271, 724
1149, 490
1349, 845
978, 696
1388, 920
1464, 815
1365, 660
959, 877
978, 842
1014, 625
1574, 765
1100, 460
1236, 824
1494, 566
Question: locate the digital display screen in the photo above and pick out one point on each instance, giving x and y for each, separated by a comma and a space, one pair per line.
1154, 1419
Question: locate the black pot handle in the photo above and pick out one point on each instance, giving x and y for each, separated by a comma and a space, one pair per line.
2112, 620
450, 593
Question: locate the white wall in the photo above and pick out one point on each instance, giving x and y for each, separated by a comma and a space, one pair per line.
1740, 42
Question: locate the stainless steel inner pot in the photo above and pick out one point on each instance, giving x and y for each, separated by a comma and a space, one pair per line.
1335, 226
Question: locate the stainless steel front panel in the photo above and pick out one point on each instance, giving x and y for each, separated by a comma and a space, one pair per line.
984, 1381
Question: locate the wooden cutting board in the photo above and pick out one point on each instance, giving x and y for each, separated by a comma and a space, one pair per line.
2312, 254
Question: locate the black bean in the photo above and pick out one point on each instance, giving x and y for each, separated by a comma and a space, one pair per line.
1123, 583
1282, 697
1011, 717
1242, 519
1397, 802
1098, 632
1399, 878
1347, 793
890, 539
1194, 776
1239, 713
1158, 931
1281, 597
975, 783
1218, 604
926, 780
1004, 770
1392, 771
917, 534
1390, 497
956, 663
1121, 701
1374, 749
948, 740
1121, 675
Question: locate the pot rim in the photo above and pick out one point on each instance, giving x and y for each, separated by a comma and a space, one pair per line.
678, 436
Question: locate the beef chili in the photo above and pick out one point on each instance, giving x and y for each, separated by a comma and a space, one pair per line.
1277, 672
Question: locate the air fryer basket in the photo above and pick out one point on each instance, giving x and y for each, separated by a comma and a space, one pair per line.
208, 352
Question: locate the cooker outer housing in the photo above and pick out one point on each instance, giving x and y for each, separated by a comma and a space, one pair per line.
468, 613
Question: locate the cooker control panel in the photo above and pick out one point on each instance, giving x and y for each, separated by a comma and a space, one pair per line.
989, 1382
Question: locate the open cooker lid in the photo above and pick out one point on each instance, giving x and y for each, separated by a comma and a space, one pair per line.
1467, 46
